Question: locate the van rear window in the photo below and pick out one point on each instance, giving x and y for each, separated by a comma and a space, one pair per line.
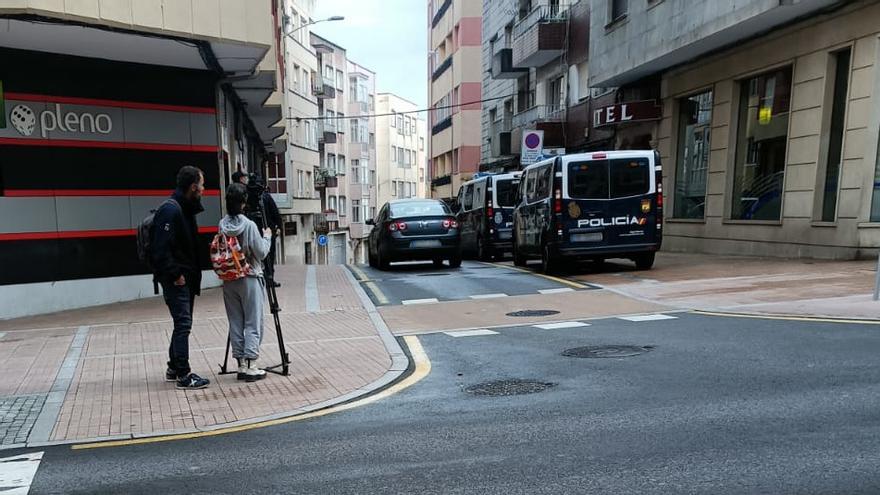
505, 191
609, 179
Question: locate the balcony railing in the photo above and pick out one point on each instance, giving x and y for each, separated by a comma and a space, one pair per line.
442, 68
323, 87
441, 181
541, 13
443, 124
539, 113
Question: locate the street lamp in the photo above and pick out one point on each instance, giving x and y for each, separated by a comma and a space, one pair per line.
329, 19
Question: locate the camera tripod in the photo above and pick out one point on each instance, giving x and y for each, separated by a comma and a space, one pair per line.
284, 367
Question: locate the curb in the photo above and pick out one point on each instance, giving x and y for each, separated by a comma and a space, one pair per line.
400, 364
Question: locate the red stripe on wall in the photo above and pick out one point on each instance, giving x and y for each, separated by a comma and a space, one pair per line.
470, 31
67, 100
471, 91
81, 234
71, 143
42, 193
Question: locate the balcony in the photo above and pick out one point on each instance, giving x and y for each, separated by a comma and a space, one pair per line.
441, 181
442, 125
324, 178
538, 114
324, 88
327, 132
442, 68
539, 37
502, 65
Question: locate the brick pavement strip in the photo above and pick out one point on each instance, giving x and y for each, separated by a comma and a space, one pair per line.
119, 389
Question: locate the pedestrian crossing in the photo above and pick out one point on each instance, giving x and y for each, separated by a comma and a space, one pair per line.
562, 325
18, 472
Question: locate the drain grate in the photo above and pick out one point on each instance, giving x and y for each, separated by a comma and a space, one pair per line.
504, 388
606, 351
533, 312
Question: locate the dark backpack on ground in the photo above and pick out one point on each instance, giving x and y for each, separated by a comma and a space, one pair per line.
144, 239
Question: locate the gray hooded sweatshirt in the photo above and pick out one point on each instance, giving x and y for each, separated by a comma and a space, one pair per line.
253, 245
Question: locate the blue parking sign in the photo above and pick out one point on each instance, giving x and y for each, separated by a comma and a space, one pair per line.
322, 240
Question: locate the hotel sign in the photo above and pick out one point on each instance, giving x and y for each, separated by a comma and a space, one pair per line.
622, 113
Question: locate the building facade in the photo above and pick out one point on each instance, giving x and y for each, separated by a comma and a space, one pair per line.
400, 150
454, 93
347, 146
146, 89
766, 118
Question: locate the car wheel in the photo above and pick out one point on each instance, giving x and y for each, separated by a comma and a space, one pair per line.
518, 258
438, 263
549, 265
455, 262
371, 258
381, 260
644, 261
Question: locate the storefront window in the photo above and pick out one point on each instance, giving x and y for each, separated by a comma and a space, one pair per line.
835, 139
692, 166
760, 146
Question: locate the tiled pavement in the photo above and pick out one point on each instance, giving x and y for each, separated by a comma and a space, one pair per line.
118, 387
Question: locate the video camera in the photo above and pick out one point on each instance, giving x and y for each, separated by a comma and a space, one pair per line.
254, 208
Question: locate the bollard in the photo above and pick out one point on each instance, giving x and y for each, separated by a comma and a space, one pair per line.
877, 280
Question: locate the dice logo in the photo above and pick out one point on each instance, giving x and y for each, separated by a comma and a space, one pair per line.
23, 119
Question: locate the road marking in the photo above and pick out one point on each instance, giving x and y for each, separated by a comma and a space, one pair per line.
361, 276
555, 291
471, 333
312, 304
48, 417
648, 318
17, 473
488, 296
548, 277
380, 296
816, 319
409, 302
422, 369
558, 326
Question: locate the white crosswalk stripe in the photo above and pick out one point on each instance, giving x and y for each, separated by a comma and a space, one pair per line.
471, 333
487, 296
419, 301
555, 291
17, 473
648, 318
558, 326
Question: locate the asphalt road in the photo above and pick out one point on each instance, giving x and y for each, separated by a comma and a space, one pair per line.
407, 282
716, 405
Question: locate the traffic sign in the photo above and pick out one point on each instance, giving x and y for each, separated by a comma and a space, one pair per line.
322, 240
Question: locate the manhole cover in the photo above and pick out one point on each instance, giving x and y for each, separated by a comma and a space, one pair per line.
533, 312
504, 388
606, 351
435, 274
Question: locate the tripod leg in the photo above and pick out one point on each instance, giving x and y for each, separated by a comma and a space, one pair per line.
226, 355
273, 304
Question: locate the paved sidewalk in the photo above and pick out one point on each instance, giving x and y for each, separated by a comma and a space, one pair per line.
99, 372
841, 289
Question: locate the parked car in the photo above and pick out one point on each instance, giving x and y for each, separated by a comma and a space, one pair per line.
414, 229
590, 205
486, 215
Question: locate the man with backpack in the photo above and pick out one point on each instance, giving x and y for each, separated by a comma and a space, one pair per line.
174, 256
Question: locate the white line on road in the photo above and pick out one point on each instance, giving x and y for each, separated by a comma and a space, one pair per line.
471, 333
488, 296
17, 473
647, 318
555, 291
557, 326
419, 301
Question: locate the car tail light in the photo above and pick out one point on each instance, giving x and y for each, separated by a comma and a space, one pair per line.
401, 226
395, 226
392, 227
450, 224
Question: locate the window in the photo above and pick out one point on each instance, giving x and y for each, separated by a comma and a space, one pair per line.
309, 189
352, 90
394, 188
296, 86
505, 192
309, 137
306, 80
400, 157
692, 162
329, 72
554, 94
372, 102
400, 122
394, 154
419, 208
331, 162
617, 9
762, 134
468, 199
331, 203
609, 179
355, 171
400, 189
372, 177
421, 144
394, 119
340, 122
543, 181
356, 211
835, 143
341, 165
340, 80
276, 173
342, 204
301, 183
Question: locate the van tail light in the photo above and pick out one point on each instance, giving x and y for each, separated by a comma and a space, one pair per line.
659, 178
450, 224
557, 203
490, 211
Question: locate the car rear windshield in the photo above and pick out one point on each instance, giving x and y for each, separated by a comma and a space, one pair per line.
418, 209
609, 179
505, 191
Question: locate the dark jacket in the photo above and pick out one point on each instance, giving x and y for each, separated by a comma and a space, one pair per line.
274, 216
174, 245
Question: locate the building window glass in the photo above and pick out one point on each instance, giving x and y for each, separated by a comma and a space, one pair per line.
692, 165
760, 146
356, 211
618, 9
341, 165
835, 141
342, 205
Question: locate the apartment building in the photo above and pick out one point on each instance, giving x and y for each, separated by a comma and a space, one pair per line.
766, 115
347, 151
291, 176
400, 150
535, 78
147, 87
455, 89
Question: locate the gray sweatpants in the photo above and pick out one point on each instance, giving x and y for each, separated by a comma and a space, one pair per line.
244, 309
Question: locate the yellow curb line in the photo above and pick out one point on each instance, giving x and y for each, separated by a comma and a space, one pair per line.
363, 278
422, 369
816, 319
548, 277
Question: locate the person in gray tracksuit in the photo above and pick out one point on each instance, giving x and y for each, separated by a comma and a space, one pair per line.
244, 297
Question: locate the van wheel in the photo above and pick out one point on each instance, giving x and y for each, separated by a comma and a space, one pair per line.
644, 261
549, 265
518, 258
483, 253
454, 262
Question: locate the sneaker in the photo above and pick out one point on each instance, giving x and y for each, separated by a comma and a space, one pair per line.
253, 373
192, 381
170, 375
242, 372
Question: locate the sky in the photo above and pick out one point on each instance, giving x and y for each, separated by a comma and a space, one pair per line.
389, 37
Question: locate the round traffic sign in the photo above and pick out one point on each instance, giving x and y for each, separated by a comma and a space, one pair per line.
322, 240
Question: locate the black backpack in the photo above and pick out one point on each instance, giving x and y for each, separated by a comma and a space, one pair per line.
144, 235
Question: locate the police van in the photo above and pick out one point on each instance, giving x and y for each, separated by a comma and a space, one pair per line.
590, 206
486, 215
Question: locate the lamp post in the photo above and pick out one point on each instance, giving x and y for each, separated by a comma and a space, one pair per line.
310, 23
